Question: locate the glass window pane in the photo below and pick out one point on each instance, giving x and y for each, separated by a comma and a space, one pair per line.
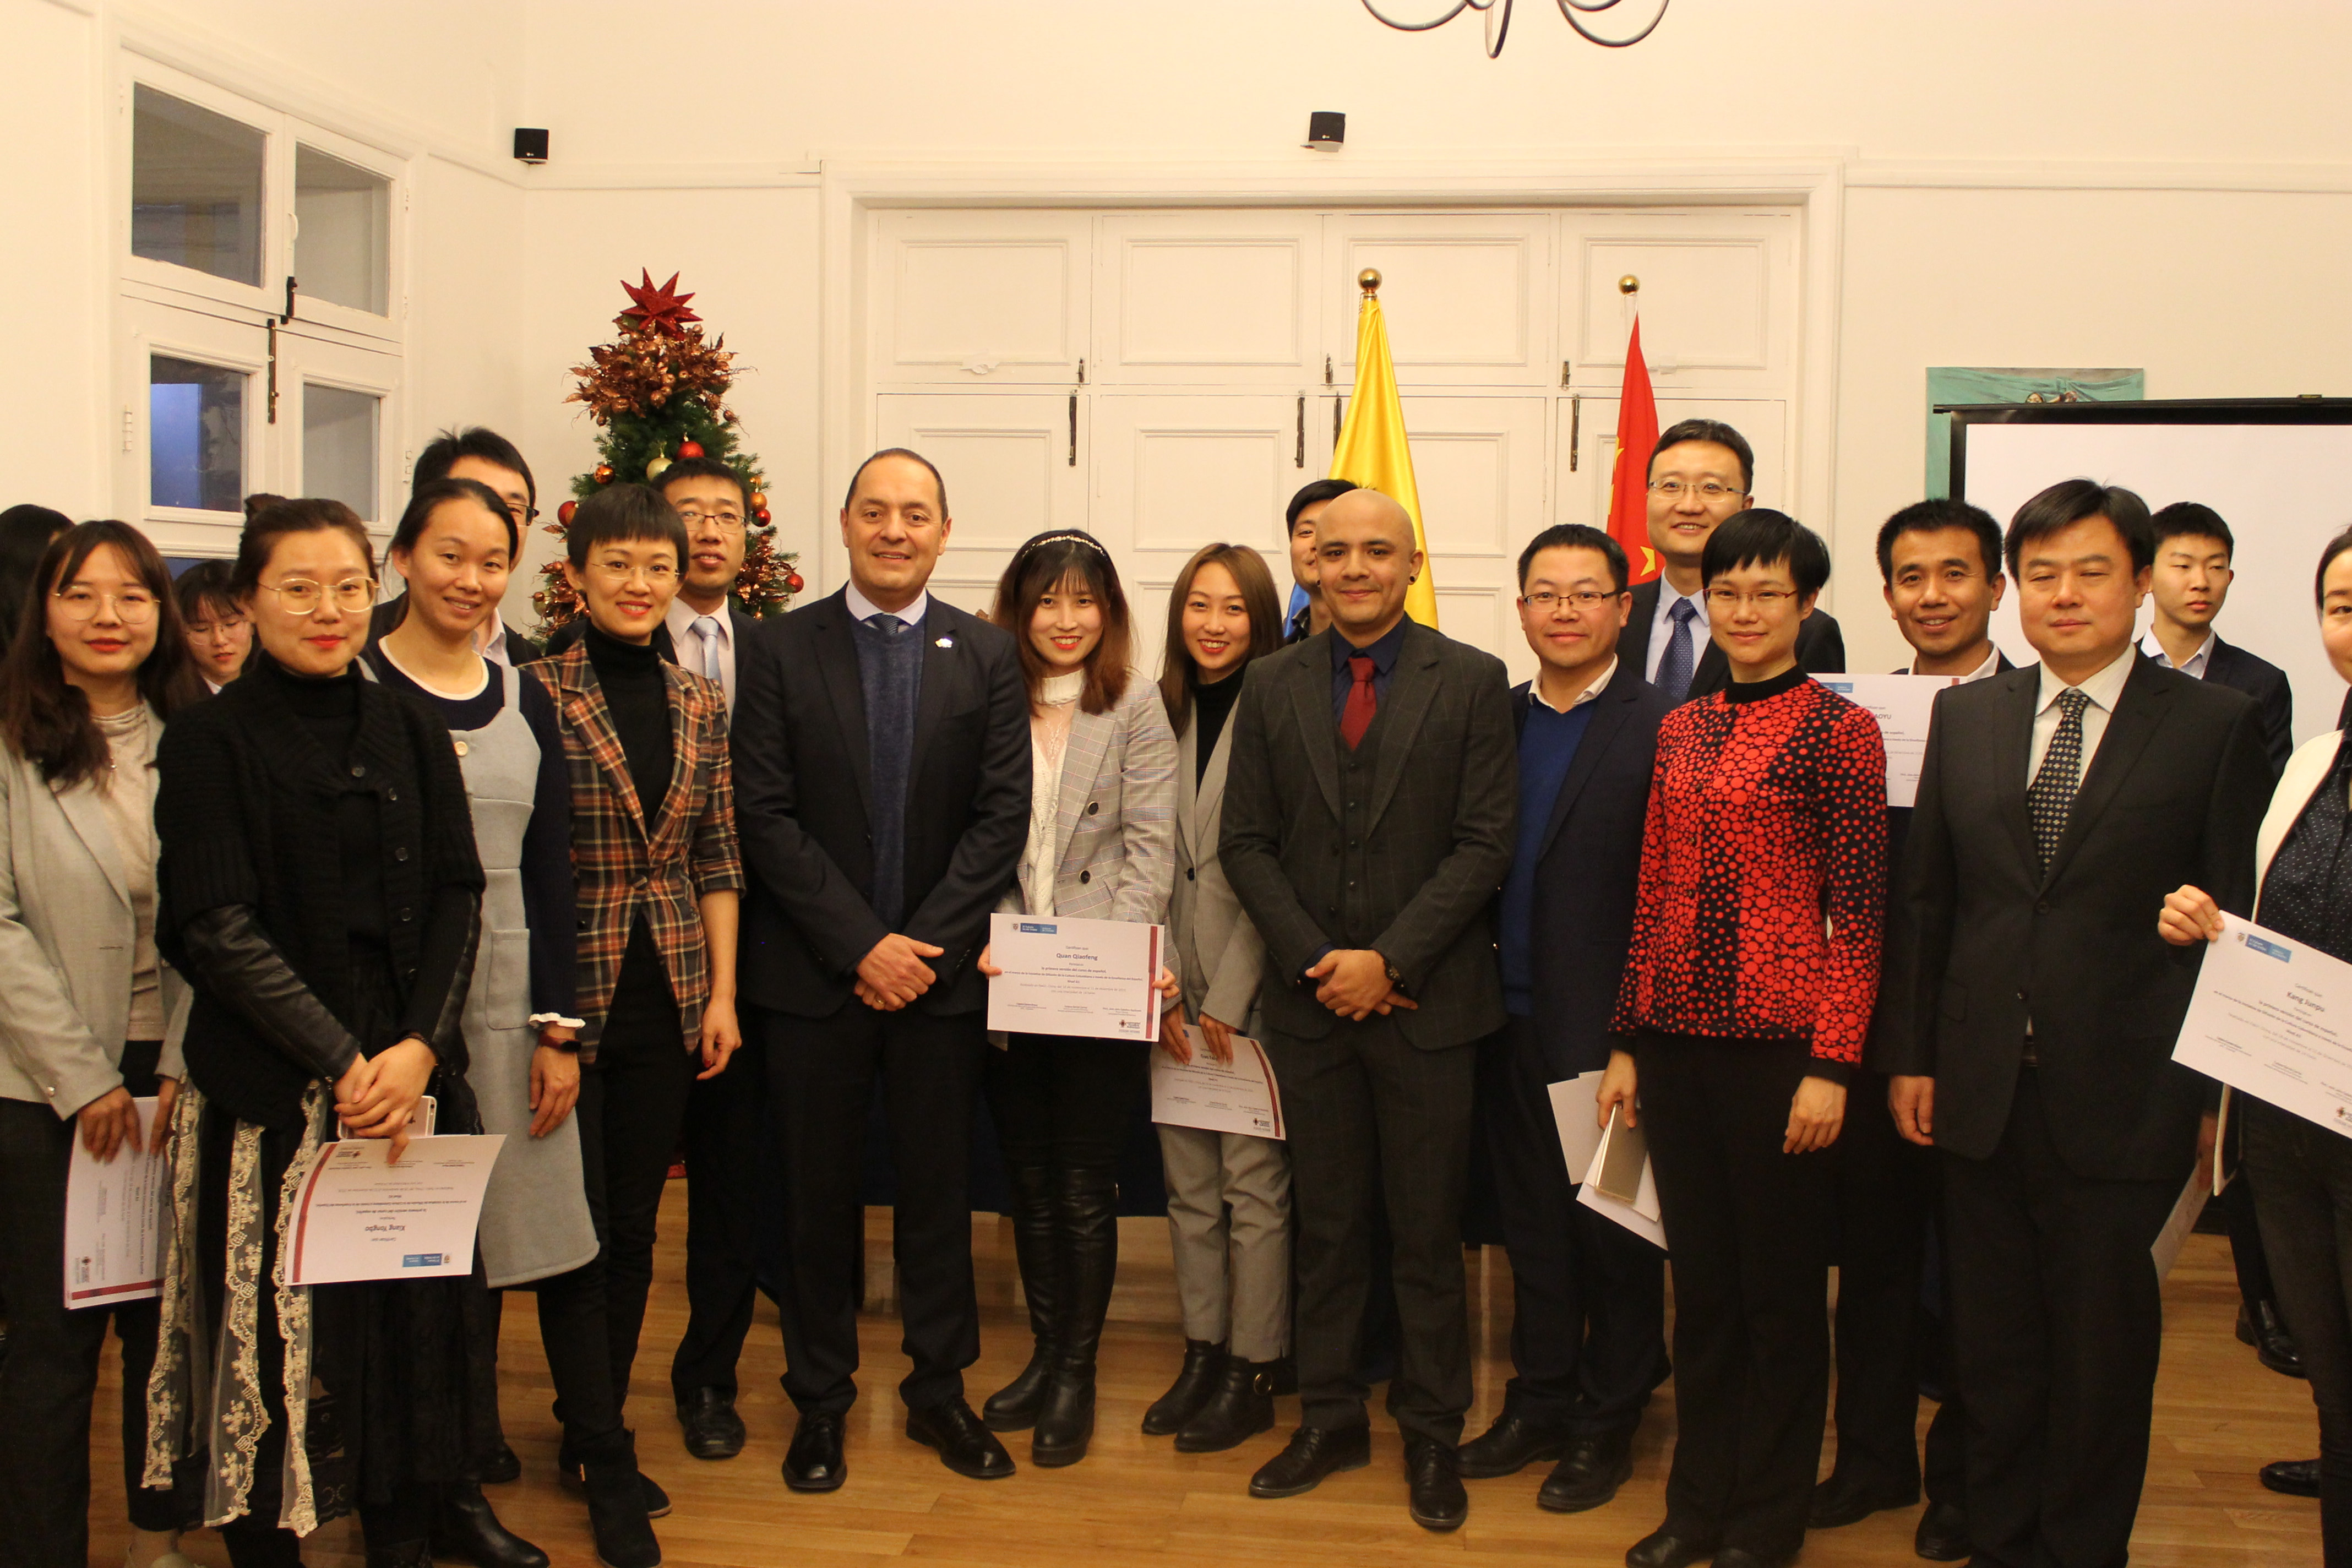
339, 446
343, 241
195, 435
195, 187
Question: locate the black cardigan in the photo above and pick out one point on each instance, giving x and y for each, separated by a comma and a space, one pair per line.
246, 817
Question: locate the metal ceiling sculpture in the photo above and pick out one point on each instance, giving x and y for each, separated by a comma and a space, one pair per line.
1498, 18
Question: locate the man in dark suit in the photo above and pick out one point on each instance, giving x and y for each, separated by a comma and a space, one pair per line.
1940, 563
727, 1116
882, 799
2057, 807
484, 455
1588, 1333
2188, 586
1367, 825
1701, 473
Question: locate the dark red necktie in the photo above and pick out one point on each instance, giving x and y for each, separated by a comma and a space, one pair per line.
1362, 702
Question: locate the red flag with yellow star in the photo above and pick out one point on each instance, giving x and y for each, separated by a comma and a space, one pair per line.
1629, 480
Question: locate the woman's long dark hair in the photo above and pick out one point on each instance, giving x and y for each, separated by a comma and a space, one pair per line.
25, 532
1178, 668
1037, 568
46, 720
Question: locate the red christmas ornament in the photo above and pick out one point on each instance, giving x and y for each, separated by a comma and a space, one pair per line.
762, 515
603, 473
563, 513
689, 450
661, 309
793, 582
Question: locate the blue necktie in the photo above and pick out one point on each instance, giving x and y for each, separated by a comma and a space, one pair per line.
1675, 664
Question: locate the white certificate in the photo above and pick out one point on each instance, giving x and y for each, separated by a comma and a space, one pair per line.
2273, 1018
1063, 976
359, 1216
114, 1221
1639, 1214
1240, 1096
1573, 1112
1902, 704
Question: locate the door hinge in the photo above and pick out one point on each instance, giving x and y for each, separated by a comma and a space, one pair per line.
130, 428
289, 300
1082, 371
1326, 369
1563, 372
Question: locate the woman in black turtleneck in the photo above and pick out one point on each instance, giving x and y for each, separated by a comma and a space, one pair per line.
320, 890
1228, 1193
653, 851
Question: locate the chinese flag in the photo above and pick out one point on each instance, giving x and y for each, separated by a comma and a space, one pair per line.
1629, 480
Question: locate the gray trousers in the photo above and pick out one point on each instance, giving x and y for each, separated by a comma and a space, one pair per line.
1229, 1227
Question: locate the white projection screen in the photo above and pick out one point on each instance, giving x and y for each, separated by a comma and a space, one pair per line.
2279, 472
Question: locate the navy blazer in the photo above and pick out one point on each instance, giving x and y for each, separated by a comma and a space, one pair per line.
1588, 869
2267, 684
1821, 647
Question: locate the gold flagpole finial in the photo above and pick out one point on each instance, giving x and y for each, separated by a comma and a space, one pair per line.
1368, 280
1629, 284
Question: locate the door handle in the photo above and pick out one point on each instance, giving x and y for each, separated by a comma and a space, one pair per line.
1299, 454
1074, 429
1575, 430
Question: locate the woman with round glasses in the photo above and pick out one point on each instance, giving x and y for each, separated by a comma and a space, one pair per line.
321, 893
218, 634
84, 693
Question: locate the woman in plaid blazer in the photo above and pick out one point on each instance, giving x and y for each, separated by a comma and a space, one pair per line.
657, 884
1102, 842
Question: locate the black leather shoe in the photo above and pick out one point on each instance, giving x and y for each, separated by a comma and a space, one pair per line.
502, 1467
1204, 1363
2261, 1327
1239, 1409
1662, 1548
2295, 1477
1943, 1534
1740, 1557
965, 1446
1512, 1444
1589, 1474
1843, 1500
571, 1477
1312, 1453
465, 1530
1433, 1490
1066, 1422
616, 1515
813, 1462
712, 1429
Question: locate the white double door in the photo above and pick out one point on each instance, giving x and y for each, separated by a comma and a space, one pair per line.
1161, 378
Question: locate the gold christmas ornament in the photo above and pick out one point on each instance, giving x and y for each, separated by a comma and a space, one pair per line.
654, 469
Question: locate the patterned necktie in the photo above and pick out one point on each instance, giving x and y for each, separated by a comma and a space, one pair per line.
707, 628
1362, 701
2052, 797
888, 625
1675, 665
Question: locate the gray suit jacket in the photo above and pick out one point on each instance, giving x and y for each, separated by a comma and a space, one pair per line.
1116, 827
1402, 858
1218, 955
66, 938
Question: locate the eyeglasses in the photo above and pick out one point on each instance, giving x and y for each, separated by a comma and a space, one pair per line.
1705, 489
732, 521
206, 629
301, 596
1545, 602
656, 573
523, 514
132, 607
1765, 599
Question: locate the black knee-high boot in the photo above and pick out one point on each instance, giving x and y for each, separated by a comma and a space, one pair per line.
1086, 1214
1016, 1405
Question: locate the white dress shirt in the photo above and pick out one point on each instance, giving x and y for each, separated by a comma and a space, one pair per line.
2102, 689
1592, 693
1990, 667
1661, 627
687, 639
865, 610
2195, 667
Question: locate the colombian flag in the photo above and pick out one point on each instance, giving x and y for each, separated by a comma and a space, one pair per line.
1371, 451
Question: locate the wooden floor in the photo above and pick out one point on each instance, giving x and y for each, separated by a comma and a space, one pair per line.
2219, 1415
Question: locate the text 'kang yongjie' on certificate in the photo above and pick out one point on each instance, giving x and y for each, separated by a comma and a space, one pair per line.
1087, 977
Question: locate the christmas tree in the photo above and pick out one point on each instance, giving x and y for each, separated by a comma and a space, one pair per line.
659, 392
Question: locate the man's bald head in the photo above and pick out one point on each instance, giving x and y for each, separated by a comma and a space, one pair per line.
1364, 544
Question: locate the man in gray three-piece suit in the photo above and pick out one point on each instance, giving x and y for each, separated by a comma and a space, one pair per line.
1370, 812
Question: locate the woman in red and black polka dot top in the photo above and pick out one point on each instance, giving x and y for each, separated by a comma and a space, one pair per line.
1747, 994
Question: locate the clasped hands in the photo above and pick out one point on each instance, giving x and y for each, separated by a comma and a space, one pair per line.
377, 1095
1355, 983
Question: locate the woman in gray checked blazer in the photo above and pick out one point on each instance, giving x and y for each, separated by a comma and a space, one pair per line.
1228, 1193
1102, 831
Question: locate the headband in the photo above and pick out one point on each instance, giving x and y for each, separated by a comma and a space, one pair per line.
1068, 537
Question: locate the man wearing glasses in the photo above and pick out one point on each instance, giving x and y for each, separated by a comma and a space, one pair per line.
705, 622
483, 455
1588, 1341
1701, 473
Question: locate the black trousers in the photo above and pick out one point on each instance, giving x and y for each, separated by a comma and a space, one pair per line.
1750, 1229
50, 1374
1063, 1103
726, 1128
821, 1081
2056, 1320
1886, 1190
634, 1095
1370, 1113
2302, 1175
1588, 1329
